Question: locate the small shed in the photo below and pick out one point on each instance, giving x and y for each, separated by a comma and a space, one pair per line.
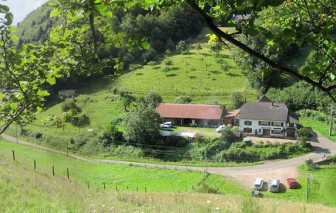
66, 93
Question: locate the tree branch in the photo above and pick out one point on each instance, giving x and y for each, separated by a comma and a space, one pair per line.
220, 34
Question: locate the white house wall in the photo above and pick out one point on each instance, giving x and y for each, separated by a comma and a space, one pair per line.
256, 127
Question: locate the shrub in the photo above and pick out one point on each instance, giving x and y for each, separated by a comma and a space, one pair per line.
149, 55
182, 47
168, 62
228, 136
237, 99
124, 150
70, 105
303, 134
38, 135
183, 100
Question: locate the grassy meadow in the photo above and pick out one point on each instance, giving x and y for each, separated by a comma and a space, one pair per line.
120, 176
200, 74
23, 189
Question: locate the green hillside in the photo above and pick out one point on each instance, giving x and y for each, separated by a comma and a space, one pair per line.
122, 177
198, 74
35, 28
23, 189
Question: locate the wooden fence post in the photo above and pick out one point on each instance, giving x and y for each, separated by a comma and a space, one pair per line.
104, 185
53, 170
13, 155
34, 164
68, 173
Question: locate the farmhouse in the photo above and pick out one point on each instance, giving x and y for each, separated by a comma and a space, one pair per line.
266, 118
192, 114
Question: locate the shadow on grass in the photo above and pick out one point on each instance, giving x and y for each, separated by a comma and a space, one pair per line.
282, 188
174, 68
139, 73
232, 74
156, 67
188, 53
171, 75
215, 72
298, 186
192, 77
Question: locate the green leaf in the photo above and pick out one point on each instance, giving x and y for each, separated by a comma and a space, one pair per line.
55, 12
9, 17
4, 8
332, 76
145, 45
270, 42
1, 96
51, 80
42, 93
103, 10
14, 106
14, 38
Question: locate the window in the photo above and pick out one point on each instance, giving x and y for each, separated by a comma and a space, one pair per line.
277, 123
264, 123
248, 123
247, 130
276, 131
291, 125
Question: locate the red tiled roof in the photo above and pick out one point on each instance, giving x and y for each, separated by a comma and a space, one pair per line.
194, 111
232, 114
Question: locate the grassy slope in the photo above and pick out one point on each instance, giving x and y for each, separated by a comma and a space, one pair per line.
203, 84
322, 188
22, 189
197, 74
154, 179
320, 127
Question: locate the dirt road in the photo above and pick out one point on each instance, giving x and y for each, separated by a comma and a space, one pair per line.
281, 169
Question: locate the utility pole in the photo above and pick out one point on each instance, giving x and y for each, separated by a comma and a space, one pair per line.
331, 120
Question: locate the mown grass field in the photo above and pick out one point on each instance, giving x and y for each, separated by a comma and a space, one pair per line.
23, 189
122, 177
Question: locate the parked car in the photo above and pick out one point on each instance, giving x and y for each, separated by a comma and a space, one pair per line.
292, 183
258, 184
168, 123
220, 128
164, 126
274, 185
